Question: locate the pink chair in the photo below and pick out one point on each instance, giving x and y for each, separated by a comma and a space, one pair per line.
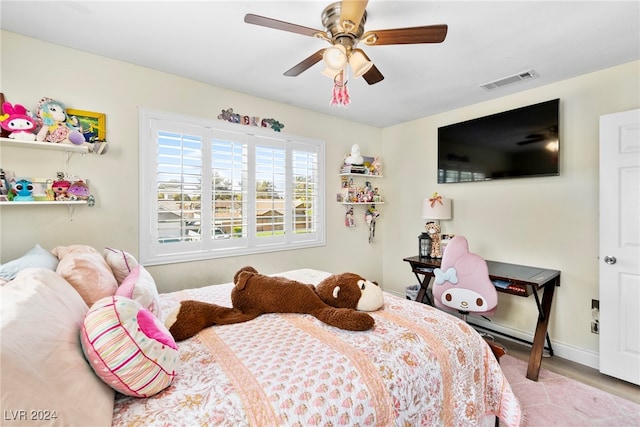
462, 282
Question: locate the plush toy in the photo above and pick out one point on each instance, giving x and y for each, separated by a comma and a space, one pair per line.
335, 301
433, 229
60, 188
23, 191
376, 166
55, 128
16, 119
78, 190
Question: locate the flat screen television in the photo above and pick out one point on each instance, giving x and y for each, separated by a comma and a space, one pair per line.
517, 143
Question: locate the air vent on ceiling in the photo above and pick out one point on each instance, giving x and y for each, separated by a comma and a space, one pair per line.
525, 75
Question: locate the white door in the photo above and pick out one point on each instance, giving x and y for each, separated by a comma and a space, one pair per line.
620, 245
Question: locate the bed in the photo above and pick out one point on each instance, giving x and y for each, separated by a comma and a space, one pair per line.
418, 366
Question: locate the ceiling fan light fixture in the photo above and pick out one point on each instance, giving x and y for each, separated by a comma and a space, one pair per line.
335, 57
359, 63
330, 72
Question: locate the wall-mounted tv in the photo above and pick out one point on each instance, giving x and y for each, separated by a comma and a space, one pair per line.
517, 143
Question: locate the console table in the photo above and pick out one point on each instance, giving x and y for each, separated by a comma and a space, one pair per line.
514, 279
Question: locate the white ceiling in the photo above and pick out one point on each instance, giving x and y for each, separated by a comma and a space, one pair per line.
208, 41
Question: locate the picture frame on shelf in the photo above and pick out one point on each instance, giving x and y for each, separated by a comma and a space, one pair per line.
91, 124
42, 189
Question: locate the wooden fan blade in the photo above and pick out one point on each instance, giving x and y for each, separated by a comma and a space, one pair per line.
352, 10
412, 35
263, 21
373, 76
305, 64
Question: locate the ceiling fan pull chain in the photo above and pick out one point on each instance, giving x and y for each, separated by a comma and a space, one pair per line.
340, 94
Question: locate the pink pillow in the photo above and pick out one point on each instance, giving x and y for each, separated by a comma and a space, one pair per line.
128, 347
121, 262
87, 271
140, 286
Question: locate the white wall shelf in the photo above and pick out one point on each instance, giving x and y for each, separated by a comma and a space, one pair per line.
45, 202
361, 203
362, 175
348, 192
71, 204
69, 148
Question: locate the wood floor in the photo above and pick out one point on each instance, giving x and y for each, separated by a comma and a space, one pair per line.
577, 372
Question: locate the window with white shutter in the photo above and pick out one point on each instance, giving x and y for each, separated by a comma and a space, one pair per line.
214, 189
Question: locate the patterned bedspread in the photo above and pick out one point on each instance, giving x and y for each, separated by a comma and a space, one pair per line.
419, 366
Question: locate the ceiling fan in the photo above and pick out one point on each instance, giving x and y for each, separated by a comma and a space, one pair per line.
344, 23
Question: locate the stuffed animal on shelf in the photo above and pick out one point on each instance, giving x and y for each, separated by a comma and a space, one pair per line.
376, 166
54, 121
339, 301
60, 188
78, 190
16, 119
23, 191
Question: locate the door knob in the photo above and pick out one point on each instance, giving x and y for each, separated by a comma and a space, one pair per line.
610, 260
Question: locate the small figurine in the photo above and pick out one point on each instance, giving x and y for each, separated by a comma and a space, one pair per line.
355, 158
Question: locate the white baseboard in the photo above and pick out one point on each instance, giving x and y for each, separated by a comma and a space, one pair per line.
575, 354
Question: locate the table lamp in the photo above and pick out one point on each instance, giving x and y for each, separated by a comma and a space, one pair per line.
435, 208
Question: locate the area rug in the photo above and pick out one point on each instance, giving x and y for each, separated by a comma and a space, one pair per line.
555, 400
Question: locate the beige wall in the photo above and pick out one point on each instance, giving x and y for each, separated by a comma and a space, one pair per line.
550, 222
32, 69
546, 222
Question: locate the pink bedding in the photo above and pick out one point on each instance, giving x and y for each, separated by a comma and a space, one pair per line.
418, 366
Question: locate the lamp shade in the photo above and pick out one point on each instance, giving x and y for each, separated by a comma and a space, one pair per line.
335, 57
436, 207
330, 72
359, 64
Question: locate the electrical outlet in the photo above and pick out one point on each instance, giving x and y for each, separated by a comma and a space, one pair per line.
595, 316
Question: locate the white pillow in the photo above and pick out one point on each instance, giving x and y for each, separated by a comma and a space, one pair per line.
43, 367
140, 286
121, 262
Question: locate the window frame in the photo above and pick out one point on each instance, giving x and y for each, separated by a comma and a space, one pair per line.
151, 252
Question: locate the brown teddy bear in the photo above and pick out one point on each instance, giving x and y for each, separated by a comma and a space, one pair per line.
338, 301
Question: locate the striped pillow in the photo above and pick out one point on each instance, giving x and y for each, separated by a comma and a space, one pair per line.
128, 347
